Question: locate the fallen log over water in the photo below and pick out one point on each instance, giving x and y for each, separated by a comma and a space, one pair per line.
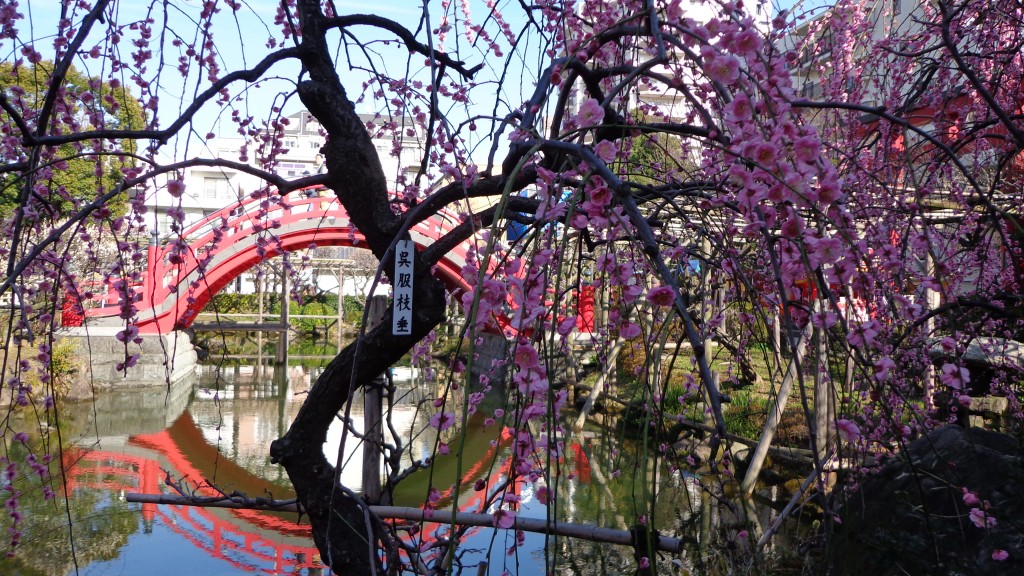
538, 525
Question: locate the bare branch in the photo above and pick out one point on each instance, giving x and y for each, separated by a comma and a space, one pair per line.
407, 38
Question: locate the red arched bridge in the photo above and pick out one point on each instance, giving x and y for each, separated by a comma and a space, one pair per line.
183, 275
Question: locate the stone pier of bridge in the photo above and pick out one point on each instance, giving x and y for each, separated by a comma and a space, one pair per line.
163, 359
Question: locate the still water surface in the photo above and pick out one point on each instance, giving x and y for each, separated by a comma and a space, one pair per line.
219, 426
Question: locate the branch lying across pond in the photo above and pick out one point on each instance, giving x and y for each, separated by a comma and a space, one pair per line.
538, 525
801, 455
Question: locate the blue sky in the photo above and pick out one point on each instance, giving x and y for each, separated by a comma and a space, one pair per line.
243, 46
803, 5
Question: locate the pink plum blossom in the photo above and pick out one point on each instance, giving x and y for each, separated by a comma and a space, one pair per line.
848, 430
981, 519
175, 188
955, 377
606, 150
629, 330
674, 10
591, 113
543, 495
970, 498
824, 319
504, 519
526, 356
442, 420
863, 333
806, 149
566, 326
883, 368
724, 68
661, 296
765, 154
739, 110
747, 43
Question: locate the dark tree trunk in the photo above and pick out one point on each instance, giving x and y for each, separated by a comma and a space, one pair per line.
339, 521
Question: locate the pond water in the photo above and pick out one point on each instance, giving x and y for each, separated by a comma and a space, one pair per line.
218, 428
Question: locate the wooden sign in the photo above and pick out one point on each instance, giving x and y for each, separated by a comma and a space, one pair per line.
402, 311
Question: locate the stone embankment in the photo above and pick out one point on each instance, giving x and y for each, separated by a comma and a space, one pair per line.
163, 359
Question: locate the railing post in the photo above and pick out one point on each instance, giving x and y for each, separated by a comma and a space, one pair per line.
150, 284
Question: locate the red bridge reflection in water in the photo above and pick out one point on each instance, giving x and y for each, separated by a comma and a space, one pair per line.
256, 541
252, 541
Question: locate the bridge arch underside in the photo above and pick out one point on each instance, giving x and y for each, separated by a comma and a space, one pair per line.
180, 309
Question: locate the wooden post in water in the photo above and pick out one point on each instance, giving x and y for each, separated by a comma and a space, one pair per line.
373, 414
282, 340
341, 302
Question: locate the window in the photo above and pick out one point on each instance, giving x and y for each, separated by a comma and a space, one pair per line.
216, 188
810, 89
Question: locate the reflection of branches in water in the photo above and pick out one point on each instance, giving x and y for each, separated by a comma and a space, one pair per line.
583, 558
99, 526
607, 499
416, 398
693, 508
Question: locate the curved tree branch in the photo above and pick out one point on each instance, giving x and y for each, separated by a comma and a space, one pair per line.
250, 75
407, 38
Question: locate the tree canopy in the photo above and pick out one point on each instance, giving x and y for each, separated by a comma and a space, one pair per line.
72, 173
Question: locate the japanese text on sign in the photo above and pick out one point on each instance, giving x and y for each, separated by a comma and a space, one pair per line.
402, 311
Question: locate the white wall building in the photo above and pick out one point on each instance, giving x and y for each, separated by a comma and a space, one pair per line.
814, 40
212, 188
209, 189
